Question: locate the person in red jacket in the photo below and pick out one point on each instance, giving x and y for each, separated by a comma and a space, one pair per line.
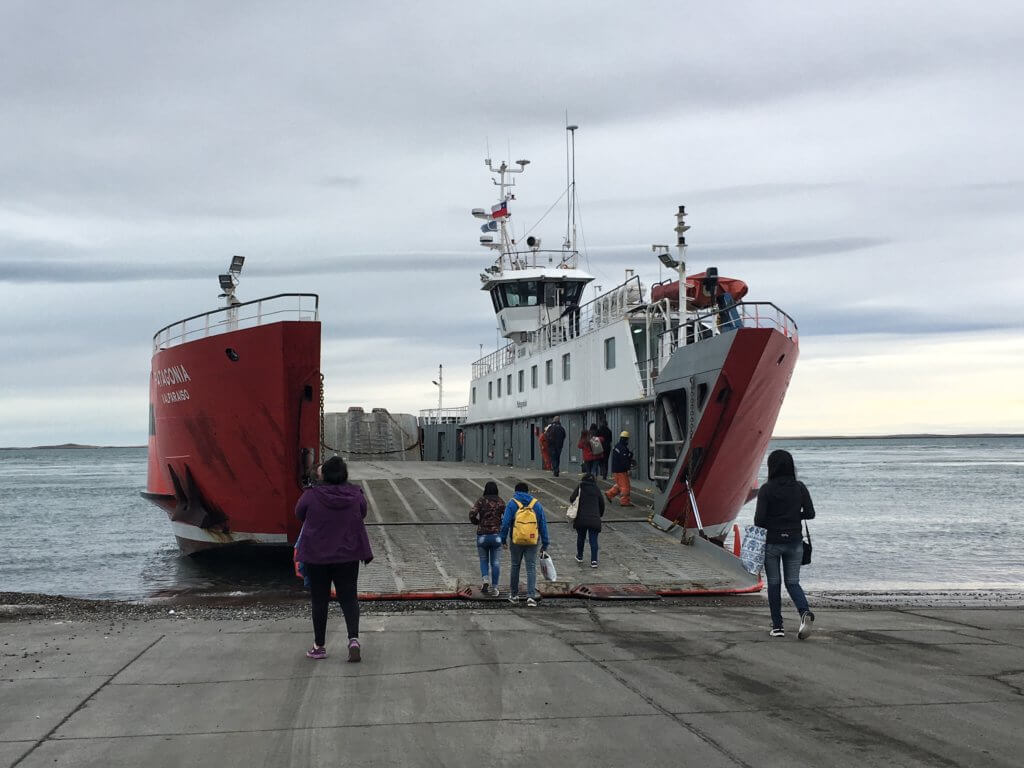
591, 457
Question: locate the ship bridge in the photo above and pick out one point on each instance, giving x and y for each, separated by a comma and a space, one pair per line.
530, 298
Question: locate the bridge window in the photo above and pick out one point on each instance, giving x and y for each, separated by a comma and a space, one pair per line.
549, 371
496, 299
499, 387
474, 395
508, 385
533, 377
566, 368
522, 379
522, 294
490, 390
609, 353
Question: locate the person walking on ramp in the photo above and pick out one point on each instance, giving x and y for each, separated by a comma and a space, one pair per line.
622, 463
486, 515
332, 543
782, 502
589, 512
555, 435
526, 524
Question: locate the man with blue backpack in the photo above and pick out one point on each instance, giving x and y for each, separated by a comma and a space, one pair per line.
525, 523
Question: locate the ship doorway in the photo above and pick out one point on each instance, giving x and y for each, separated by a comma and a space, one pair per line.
460, 440
533, 443
442, 446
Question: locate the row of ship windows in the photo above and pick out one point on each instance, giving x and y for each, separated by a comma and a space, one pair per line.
549, 372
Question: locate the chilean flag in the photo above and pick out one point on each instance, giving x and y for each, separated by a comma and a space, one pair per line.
499, 211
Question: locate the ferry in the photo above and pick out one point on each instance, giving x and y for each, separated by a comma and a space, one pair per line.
235, 418
692, 371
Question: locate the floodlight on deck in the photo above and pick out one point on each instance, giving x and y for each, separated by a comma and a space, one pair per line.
236, 265
664, 257
226, 283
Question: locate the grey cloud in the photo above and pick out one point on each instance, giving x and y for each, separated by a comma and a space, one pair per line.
347, 182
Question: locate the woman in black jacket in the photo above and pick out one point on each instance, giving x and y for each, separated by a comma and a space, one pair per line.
589, 512
782, 503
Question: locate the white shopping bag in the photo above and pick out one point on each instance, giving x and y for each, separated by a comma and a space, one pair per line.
574, 506
547, 567
752, 553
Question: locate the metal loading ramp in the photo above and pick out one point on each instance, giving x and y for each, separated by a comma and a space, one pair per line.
425, 546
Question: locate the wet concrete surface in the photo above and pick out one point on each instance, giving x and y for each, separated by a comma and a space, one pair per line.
567, 683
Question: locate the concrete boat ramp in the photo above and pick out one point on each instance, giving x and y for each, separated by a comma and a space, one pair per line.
565, 684
425, 545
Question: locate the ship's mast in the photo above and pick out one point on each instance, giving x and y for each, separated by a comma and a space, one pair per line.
504, 195
570, 234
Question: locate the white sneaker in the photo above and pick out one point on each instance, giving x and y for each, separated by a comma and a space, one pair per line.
531, 603
495, 591
806, 625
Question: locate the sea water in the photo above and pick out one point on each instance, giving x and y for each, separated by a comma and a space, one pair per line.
893, 514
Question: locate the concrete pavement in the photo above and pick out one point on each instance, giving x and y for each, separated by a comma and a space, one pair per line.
592, 684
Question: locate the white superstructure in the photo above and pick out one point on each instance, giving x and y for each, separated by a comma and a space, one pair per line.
562, 354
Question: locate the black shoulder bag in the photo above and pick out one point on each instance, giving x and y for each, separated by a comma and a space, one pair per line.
806, 559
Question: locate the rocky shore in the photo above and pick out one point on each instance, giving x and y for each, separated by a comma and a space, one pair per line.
16, 606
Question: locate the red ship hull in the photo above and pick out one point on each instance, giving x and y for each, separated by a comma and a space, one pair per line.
733, 429
234, 430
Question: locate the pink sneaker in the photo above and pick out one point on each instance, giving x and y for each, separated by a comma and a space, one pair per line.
354, 651
316, 653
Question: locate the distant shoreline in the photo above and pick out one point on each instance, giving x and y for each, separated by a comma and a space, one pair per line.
914, 436
66, 446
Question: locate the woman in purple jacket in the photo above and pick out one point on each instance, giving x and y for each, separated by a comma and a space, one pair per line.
332, 543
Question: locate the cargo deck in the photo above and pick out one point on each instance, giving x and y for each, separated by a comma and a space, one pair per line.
425, 546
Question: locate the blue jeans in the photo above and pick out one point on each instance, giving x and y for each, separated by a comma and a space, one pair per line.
518, 553
790, 554
592, 467
581, 537
556, 459
488, 546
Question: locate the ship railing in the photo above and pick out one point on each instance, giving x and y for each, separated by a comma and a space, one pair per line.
702, 326
608, 308
495, 361
443, 416
302, 307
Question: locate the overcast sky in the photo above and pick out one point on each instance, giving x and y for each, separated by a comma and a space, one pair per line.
860, 165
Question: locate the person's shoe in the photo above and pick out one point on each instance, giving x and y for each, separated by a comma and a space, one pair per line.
555, 474
777, 632
531, 603
354, 651
579, 558
486, 588
514, 599
593, 563
806, 625
316, 653
494, 591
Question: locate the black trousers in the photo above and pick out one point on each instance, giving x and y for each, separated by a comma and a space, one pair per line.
345, 577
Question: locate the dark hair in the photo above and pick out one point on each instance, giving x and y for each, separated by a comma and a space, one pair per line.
335, 471
523, 487
593, 427
780, 464
490, 488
